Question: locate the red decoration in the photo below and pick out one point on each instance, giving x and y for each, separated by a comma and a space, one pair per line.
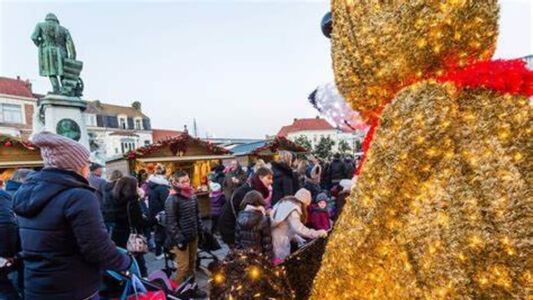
175, 144
9, 141
280, 142
504, 76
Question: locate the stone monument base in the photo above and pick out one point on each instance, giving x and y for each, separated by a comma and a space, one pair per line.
62, 115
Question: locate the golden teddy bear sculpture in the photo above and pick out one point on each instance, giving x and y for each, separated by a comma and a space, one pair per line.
443, 207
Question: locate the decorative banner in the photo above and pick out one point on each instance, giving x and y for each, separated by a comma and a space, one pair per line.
330, 103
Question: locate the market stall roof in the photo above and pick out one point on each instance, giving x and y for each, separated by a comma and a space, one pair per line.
267, 147
16, 153
178, 148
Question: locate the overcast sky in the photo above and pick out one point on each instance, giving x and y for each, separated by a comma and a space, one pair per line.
242, 69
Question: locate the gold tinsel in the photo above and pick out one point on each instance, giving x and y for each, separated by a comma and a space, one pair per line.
443, 208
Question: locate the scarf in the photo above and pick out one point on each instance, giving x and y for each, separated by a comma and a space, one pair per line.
186, 192
503, 76
259, 186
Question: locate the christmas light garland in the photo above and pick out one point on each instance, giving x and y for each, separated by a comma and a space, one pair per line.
280, 142
175, 144
9, 141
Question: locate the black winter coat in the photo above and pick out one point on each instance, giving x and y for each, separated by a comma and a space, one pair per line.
157, 195
108, 208
183, 223
65, 245
349, 168
121, 230
230, 211
8, 226
253, 232
337, 171
286, 182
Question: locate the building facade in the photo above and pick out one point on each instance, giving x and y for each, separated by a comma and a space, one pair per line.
114, 130
316, 128
17, 105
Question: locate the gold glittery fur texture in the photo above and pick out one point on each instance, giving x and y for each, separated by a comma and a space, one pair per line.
443, 208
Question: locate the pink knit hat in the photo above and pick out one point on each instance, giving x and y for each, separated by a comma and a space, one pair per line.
303, 196
60, 152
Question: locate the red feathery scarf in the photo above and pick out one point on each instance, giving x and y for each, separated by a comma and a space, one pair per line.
504, 76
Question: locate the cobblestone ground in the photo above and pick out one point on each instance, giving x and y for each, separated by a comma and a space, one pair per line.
202, 275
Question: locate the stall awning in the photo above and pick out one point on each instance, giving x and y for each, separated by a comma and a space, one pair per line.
20, 164
183, 158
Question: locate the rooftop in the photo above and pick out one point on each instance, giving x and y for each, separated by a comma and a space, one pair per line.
15, 87
308, 124
163, 134
97, 107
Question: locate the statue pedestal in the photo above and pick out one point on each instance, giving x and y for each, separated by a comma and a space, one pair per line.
62, 115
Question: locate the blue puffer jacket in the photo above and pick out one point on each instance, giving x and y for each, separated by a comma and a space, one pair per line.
64, 242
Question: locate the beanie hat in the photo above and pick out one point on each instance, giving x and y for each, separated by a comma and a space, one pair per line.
322, 197
303, 196
215, 187
314, 172
60, 152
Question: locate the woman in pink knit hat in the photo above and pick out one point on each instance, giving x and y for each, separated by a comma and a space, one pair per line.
288, 218
65, 245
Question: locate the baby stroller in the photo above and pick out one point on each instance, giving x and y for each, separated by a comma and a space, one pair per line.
129, 285
206, 244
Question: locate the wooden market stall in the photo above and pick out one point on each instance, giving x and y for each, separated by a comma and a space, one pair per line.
17, 153
266, 150
182, 152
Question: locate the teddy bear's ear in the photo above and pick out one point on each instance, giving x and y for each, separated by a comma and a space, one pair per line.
381, 46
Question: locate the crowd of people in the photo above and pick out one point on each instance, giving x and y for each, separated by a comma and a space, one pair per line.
64, 223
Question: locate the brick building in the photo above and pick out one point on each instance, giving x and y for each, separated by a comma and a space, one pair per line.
17, 104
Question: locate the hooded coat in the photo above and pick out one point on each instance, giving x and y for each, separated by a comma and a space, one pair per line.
158, 190
253, 231
286, 181
12, 187
65, 245
217, 200
287, 226
230, 210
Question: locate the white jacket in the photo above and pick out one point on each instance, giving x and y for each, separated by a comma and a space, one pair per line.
287, 226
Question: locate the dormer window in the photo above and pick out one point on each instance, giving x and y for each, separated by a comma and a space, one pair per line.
138, 124
122, 122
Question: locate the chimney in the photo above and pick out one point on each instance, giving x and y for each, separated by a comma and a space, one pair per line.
27, 83
136, 105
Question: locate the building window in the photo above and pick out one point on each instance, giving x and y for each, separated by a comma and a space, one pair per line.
11, 113
123, 124
138, 124
116, 150
90, 120
147, 142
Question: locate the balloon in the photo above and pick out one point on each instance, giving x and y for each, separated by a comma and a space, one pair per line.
327, 24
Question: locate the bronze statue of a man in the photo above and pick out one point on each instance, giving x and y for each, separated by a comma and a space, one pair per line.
57, 57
